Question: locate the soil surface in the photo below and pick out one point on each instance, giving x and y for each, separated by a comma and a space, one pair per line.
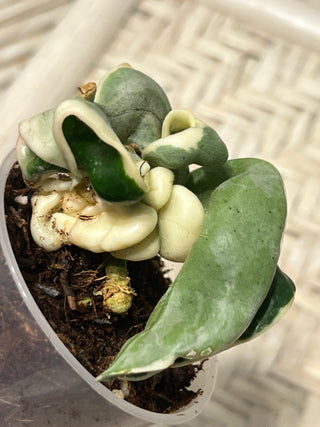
59, 280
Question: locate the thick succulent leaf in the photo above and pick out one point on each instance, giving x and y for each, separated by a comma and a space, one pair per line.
80, 138
83, 132
203, 181
273, 308
134, 104
37, 134
186, 140
32, 166
276, 304
224, 280
37, 149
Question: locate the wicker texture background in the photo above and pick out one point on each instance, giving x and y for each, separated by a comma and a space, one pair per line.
262, 95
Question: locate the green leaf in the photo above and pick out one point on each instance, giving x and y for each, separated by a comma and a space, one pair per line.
224, 280
134, 104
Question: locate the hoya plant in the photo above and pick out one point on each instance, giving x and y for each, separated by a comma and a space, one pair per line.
111, 173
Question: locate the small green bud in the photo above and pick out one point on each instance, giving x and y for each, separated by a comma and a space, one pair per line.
115, 289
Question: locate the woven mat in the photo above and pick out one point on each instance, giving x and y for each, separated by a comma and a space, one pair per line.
262, 95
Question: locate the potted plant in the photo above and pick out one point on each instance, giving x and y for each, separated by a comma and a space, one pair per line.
109, 173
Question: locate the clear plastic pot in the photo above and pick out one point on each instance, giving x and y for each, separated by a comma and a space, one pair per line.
41, 382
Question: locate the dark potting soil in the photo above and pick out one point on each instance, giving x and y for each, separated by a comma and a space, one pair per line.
58, 279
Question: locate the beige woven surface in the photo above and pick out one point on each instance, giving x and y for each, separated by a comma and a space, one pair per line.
24, 27
262, 95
